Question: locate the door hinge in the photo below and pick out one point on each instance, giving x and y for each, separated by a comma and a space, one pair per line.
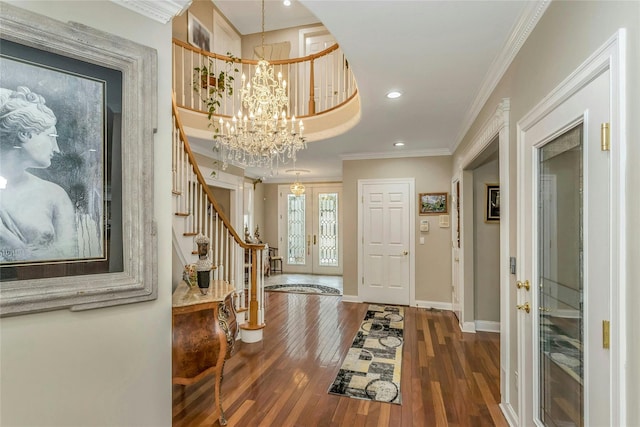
606, 333
605, 137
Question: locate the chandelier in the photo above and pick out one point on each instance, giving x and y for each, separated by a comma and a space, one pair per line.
297, 188
260, 135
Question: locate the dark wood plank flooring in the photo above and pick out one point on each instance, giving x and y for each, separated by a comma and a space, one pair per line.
448, 378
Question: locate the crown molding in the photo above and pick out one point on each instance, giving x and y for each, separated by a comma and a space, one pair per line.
521, 31
159, 10
397, 154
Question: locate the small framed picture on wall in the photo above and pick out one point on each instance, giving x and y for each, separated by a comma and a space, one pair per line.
492, 209
433, 203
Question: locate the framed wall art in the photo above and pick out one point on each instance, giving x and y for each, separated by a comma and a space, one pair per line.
198, 35
492, 203
433, 203
77, 115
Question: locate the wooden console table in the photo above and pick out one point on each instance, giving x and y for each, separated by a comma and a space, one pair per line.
204, 334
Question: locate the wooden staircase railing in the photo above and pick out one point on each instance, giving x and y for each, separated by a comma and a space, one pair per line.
317, 83
202, 214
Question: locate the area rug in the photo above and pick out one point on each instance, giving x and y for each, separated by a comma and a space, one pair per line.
304, 289
371, 369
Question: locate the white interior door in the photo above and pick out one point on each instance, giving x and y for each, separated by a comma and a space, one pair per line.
311, 230
565, 254
325, 81
386, 215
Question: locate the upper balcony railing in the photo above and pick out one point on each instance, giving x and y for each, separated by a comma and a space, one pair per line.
317, 83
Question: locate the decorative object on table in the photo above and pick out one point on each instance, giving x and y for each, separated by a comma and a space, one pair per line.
304, 289
110, 255
247, 235
371, 370
256, 235
492, 206
433, 203
189, 275
203, 265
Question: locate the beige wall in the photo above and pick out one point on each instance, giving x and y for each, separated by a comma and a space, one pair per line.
250, 41
433, 259
566, 35
486, 248
202, 10
270, 212
258, 209
223, 197
110, 366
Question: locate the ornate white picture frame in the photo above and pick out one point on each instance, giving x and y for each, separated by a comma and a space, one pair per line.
134, 278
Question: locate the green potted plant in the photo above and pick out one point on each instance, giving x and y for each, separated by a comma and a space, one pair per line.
216, 85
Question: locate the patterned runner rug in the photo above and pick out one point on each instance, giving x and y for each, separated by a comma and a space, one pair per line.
304, 289
371, 369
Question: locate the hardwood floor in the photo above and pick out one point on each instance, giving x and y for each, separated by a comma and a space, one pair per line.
448, 378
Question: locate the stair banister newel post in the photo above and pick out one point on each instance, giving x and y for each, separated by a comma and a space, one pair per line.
253, 301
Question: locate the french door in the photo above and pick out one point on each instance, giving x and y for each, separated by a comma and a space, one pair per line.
565, 254
310, 231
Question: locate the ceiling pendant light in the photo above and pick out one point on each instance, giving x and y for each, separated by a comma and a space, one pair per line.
297, 188
260, 135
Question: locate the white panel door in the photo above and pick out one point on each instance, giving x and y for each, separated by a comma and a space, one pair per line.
565, 253
386, 243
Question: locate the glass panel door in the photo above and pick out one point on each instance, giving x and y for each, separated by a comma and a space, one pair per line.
561, 282
310, 229
296, 229
328, 229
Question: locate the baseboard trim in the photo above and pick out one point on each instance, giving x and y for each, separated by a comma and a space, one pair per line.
435, 304
351, 298
509, 414
487, 326
469, 327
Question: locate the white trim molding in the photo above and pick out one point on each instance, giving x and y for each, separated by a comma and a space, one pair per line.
397, 154
610, 56
438, 305
497, 126
162, 11
487, 326
521, 31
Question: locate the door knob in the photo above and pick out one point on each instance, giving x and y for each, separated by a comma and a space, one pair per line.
405, 253
524, 307
524, 284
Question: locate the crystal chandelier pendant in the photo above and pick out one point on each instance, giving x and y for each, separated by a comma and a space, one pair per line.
297, 188
260, 135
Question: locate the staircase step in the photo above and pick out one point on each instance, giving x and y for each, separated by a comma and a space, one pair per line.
176, 192
189, 234
182, 214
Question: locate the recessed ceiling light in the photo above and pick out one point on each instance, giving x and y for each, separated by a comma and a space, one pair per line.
394, 94
287, 2
398, 144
